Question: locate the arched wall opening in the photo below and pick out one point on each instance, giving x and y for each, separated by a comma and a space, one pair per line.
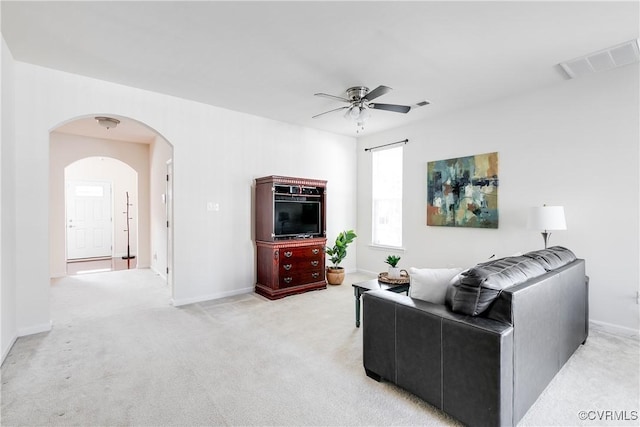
134, 144
98, 221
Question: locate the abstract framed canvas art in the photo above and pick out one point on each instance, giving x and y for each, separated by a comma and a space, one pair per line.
463, 192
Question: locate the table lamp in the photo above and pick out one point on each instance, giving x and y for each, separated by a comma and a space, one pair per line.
547, 218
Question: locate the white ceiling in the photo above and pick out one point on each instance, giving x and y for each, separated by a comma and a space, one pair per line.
269, 58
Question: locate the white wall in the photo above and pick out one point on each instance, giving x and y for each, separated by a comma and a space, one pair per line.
8, 329
123, 179
160, 152
217, 155
574, 144
67, 149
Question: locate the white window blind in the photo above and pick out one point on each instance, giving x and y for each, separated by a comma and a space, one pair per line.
387, 197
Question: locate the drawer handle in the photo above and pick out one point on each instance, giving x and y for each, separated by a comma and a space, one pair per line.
315, 275
316, 251
315, 263
287, 267
288, 254
288, 280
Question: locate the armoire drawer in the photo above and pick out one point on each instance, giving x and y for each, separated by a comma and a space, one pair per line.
299, 254
300, 278
300, 266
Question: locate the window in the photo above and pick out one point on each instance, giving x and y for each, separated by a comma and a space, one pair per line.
386, 184
89, 191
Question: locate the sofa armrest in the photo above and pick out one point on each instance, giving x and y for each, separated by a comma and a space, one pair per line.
460, 364
477, 360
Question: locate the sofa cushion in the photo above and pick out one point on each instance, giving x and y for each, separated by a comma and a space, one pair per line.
553, 257
430, 284
474, 290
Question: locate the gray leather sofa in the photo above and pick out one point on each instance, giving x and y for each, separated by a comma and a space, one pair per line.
485, 369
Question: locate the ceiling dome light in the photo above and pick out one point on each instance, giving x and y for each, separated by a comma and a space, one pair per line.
107, 122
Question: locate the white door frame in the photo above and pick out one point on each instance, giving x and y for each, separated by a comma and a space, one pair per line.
169, 207
70, 217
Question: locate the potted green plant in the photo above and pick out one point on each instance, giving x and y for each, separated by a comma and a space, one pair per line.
337, 253
394, 270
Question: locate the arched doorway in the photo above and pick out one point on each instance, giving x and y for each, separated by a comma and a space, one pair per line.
131, 143
101, 215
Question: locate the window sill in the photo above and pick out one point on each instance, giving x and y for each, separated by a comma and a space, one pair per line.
386, 248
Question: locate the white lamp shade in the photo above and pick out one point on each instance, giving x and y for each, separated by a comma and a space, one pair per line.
547, 218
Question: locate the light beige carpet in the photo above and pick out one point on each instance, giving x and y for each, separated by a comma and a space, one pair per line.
119, 354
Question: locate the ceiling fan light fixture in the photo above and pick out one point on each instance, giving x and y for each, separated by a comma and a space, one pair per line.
359, 103
358, 112
364, 114
107, 122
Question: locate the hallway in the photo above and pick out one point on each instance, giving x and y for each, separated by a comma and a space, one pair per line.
100, 265
107, 294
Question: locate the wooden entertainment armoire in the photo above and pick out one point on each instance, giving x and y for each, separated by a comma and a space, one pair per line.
290, 235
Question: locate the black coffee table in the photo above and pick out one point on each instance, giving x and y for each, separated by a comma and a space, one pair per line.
374, 284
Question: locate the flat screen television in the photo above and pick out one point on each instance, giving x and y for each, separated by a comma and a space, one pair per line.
293, 218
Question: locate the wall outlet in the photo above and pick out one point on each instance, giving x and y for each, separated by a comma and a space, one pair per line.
213, 207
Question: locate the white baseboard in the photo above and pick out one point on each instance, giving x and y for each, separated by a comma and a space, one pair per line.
373, 273
6, 351
610, 328
58, 274
36, 329
185, 301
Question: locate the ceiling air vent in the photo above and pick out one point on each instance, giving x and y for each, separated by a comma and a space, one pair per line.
606, 59
420, 104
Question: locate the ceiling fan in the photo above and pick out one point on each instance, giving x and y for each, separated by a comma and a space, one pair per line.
359, 99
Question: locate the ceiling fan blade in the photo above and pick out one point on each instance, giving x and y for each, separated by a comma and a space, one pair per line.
379, 91
330, 111
391, 107
326, 95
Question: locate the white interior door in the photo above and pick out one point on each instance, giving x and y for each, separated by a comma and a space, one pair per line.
89, 219
169, 205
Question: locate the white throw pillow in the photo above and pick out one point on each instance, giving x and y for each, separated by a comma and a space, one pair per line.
430, 284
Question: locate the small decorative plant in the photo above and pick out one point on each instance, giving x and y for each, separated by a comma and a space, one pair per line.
338, 252
394, 271
393, 260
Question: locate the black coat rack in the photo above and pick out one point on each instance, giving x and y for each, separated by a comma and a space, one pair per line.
128, 256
